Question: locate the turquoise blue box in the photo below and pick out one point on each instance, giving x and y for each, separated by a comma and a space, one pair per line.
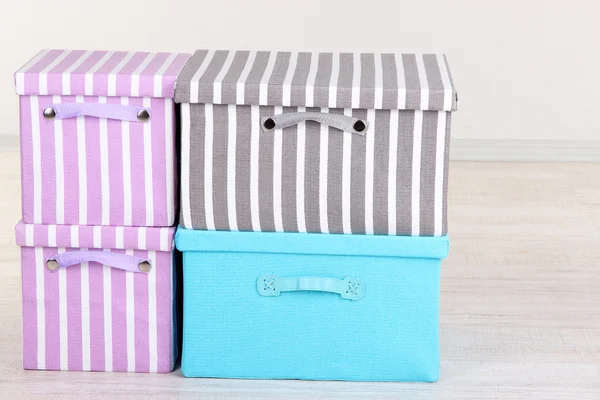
269, 305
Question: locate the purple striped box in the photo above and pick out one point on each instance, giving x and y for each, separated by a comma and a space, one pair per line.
89, 316
89, 159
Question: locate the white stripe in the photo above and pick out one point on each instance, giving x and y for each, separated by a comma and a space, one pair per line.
108, 339
152, 323
323, 170
346, 174
356, 74
277, 177
85, 316
135, 75
141, 231
74, 236
29, 235
169, 159
370, 173
158, 76
333, 81
126, 147
254, 205
20, 74
40, 268
416, 173
119, 237
219, 78
208, 167
60, 167
37, 159
445, 82
401, 82
112, 75
62, 317
195, 81
148, 180
130, 317
164, 239
81, 166
300, 161
287, 81
185, 166
264, 82
89, 75
231, 167
378, 82
104, 168
423, 82
97, 237
66, 75
241, 82
52, 236
439, 173
392, 172
43, 75
310, 81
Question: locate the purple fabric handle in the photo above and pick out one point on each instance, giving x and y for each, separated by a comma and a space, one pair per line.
100, 110
115, 260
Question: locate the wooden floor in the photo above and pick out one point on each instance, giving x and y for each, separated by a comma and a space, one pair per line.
520, 308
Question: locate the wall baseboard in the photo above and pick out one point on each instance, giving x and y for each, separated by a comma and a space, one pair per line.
473, 149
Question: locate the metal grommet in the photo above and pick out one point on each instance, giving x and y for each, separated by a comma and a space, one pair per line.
359, 126
52, 265
144, 266
143, 116
269, 123
49, 113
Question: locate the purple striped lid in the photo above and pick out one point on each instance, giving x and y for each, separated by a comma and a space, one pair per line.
95, 237
100, 73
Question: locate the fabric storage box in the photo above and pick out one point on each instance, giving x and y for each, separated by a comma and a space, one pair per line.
98, 138
315, 142
98, 298
310, 306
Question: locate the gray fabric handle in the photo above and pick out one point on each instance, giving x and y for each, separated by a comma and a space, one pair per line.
339, 121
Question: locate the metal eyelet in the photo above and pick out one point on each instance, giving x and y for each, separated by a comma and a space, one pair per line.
359, 126
52, 265
143, 116
49, 113
144, 266
269, 123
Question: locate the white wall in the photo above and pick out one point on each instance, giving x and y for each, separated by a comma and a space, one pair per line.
524, 69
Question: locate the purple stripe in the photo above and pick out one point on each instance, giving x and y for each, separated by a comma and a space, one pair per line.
78, 75
26, 160
96, 317
138, 185
140, 288
48, 162
115, 173
159, 162
29, 308
109, 235
124, 76
71, 167
74, 318
163, 311
52, 318
147, 76
54, 76
101, 76
119, 319
63, 235
93, 168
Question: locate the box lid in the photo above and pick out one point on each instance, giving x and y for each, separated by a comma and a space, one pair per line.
95, 237
333, 80
312, 243
100, 73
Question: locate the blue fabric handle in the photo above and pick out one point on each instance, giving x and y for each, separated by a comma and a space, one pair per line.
272, 285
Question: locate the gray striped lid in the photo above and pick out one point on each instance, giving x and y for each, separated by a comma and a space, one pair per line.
334, 80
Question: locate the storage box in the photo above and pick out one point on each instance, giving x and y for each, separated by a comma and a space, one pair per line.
98, 298
315, 142
266, 305
98, 138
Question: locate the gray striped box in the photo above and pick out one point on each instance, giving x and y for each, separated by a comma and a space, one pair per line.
309, 176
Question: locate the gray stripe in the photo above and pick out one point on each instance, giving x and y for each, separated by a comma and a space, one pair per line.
229, 84
197, 130
381, 166
406, 122
413, 86
367, 81
344, 83
275, 89
265, 174
434, 80
427, 185
288, 176
206, 81
322, 79
311, 174
357, 179
182, 89
334, 177
446, 169
298, 90
390, 81
252, 84
219, 177
242, 167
